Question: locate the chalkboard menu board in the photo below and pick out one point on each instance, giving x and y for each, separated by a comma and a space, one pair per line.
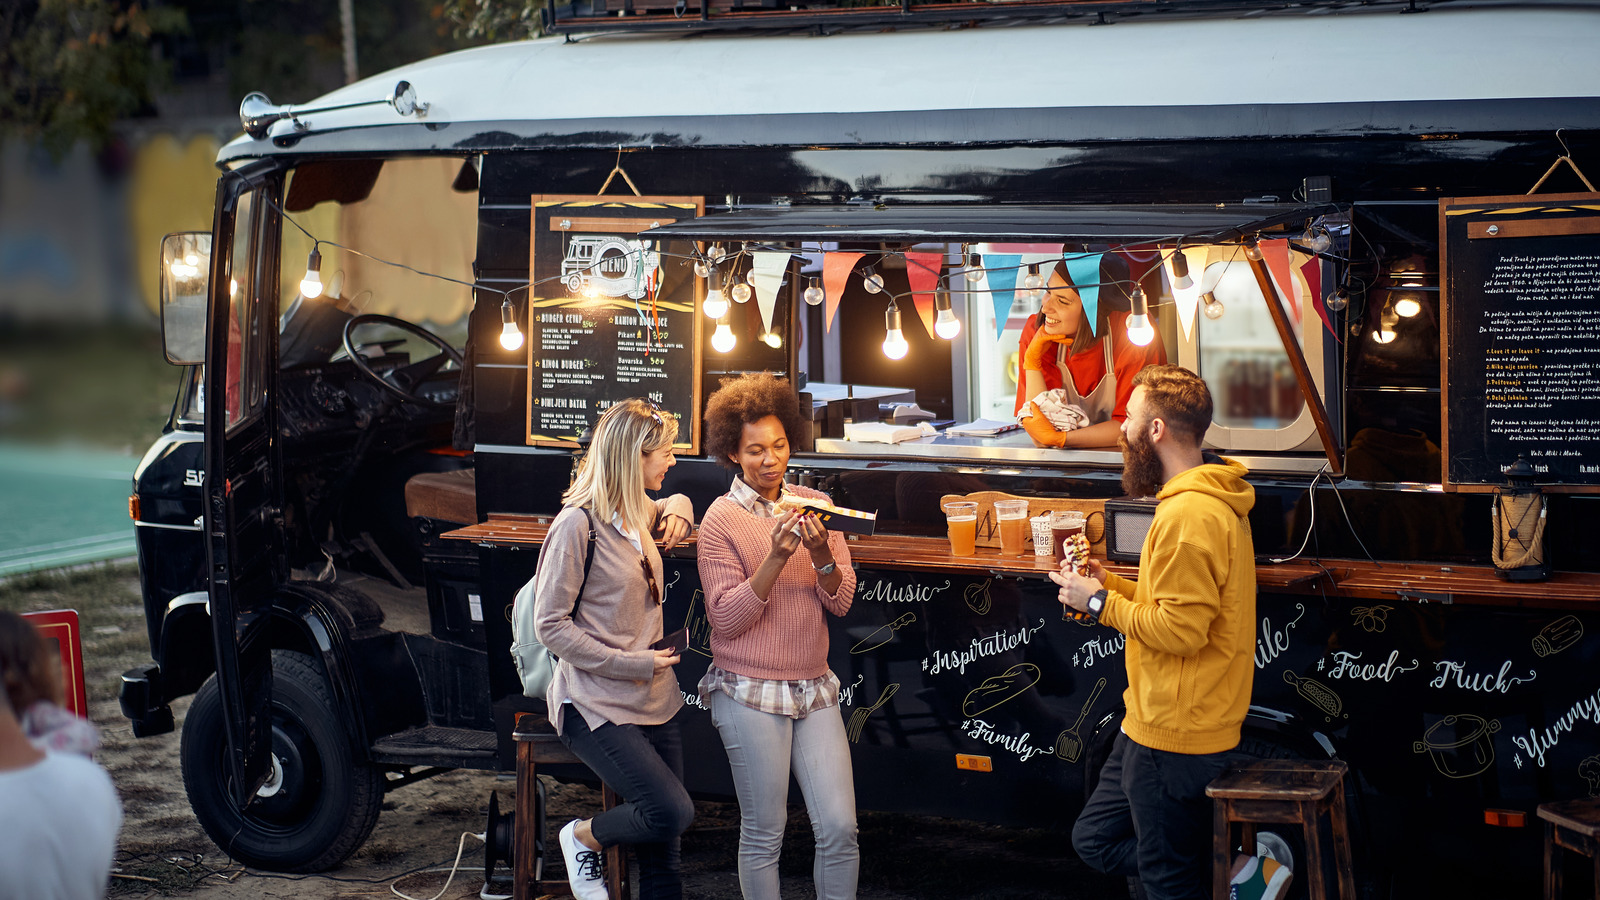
611, 316
1521, 333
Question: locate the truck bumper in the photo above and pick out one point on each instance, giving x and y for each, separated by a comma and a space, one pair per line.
139, 696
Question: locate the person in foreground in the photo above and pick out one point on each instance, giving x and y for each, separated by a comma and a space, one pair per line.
613, 700
1190, 626
772, 696
61, 813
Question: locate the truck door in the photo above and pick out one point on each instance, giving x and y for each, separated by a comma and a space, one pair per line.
243, 495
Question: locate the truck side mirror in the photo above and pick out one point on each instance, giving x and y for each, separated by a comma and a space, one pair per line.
185, 274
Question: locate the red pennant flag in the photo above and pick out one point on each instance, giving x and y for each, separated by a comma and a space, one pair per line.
836, 268
922, 270
1276, 254
1312, 270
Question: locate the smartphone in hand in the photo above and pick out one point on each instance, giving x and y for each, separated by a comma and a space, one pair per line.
677, 642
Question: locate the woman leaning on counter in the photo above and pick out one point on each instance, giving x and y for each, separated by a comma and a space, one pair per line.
1087, 372
769, 573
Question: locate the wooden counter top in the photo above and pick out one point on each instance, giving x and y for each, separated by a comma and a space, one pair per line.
1353, 579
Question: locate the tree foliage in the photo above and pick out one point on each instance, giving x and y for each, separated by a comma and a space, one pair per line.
72, 68
494, 21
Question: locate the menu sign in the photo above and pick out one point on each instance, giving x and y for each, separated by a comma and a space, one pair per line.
1521, 332
611, 316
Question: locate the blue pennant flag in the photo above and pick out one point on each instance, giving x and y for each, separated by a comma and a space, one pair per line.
1001, 270
1084, 270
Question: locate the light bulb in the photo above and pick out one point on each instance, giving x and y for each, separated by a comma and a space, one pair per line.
715, 253
1214, 308
974, 271
1033, 283
1337, 300
1252, 250
701, 270
894, 341
722, 340
750, 276
1180, 272
715, 305
772, 340
1140, 330
510, 335
873, 282
813, 294
1406, 307
741, 293
1316, 239
1383, 336
946, 325
311, 284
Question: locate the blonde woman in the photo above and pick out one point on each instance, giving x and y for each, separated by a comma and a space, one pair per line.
613, 699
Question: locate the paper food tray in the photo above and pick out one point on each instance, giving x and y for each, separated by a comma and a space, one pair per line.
836, 518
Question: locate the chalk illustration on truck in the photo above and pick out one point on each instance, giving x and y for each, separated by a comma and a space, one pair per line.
609, 266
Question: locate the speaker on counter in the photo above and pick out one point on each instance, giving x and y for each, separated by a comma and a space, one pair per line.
1127, 522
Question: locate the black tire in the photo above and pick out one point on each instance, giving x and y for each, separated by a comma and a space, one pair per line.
327, 802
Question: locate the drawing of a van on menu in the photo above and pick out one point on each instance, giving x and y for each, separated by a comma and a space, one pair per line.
609, 266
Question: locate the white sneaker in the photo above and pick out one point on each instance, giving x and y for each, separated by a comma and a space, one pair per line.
584, 871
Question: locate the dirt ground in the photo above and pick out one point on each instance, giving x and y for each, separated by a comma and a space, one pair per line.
163, 851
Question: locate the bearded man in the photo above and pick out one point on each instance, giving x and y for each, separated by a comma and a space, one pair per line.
1190, 626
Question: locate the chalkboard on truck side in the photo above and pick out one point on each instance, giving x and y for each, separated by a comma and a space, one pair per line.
610, 315
1520, 303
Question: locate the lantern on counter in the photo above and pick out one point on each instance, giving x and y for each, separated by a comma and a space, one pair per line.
1519, 517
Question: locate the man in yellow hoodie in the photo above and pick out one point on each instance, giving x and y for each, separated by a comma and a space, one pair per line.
1190, 627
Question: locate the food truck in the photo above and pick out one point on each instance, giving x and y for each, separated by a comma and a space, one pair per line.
398, 328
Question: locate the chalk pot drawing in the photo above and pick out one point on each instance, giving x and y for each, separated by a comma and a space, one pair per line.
997, 689
858, 719
977, 597
1317, 694
1460, 746
1373, 619
1068, 745
1557, 636
884, 634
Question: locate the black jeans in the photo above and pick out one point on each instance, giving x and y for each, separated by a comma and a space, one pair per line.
1150, 816
643, 763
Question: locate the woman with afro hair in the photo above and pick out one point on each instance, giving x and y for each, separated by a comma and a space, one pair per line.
772, 696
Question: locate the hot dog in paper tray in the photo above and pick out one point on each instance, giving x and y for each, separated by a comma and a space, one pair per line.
836, 518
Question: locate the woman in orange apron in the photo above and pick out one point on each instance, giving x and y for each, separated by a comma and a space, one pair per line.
1093, 369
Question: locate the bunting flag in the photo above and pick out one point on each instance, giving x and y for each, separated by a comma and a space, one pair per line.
922, 270
1084, 270
1312, 270
1188, 301
769, 266
836, 268
1276, 255
1001, 271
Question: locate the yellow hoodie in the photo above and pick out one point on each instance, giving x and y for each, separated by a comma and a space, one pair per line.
1190, 618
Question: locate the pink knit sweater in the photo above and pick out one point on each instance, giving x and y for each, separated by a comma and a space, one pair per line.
785, 637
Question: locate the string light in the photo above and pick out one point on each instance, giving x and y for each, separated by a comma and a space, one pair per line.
945, 323
974, 267
741, 293
1317, 239
894, 340
311, 284
813, 294
1213, 307
722, 340
701, 270
1337, 299
716, 253
1407, 306
510, 335
1180, 270
873, 282
715, 305
1140, 331
1033, 282
1252, 250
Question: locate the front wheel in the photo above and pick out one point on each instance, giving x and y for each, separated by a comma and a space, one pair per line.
319, 804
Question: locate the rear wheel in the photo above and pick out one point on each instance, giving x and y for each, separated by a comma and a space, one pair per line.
319, 804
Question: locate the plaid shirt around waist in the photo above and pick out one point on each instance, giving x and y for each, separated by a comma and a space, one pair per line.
794, 699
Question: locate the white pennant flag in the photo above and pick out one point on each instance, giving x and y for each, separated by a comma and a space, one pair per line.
1187, 301
769, 266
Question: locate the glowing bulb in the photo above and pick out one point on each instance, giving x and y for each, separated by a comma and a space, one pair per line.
1033, 283
873, 282
946, 325
715, 253
233, 287
1406, 307
1180, 272
715, 305
1383, 336
1214, 308
1337, 300
722, 340
701, 270
894, 341
1140, 331
1252, 250
311, 284
772, 340
750, 276
510, 335
813, 294
1386, 322
974, 271
191, 259
741, 293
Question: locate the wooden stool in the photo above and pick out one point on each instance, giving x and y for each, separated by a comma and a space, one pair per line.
1571, 825
1282, 791
535, 748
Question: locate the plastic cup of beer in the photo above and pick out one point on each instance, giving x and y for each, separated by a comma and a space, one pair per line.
963, 521
1063, 525
1012, 518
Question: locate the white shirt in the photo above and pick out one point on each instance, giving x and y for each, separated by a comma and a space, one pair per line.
59, 829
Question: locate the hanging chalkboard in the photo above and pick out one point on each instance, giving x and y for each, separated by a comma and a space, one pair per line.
1521, 331
611, 316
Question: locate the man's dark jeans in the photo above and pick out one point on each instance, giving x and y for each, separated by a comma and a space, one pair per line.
1150, 816
643, 763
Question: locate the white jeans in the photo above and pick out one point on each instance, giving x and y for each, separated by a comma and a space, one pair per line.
763, 748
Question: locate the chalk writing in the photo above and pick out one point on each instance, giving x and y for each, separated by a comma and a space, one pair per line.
1348, 665
1095, 649
1454, 674
999, 642
1538, 743
1272, 643
888, 592
980, 730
